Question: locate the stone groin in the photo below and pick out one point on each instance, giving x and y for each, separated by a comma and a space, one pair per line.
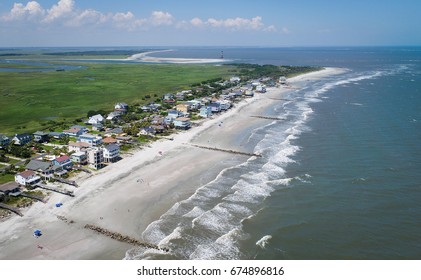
268, 118
123, 238
227, 151
281, 99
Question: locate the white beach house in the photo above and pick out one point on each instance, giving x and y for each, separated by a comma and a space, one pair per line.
27, 178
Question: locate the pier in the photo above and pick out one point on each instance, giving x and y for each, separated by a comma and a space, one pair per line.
227, 151
123, 238
10, 208
54, 189
269, 118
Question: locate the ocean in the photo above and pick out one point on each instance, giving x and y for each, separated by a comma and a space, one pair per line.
339, 178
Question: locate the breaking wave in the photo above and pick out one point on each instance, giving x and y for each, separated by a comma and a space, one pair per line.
209, 224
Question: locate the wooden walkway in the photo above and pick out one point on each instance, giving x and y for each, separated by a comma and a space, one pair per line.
10, 208
54, 189
226, 151
68, 182
82, 169
39, 198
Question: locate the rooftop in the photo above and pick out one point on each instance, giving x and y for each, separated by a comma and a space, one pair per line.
10, 186
38, 165
79, 144
27, 173
62, 158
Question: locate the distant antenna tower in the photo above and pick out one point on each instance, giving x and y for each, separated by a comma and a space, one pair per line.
222, 54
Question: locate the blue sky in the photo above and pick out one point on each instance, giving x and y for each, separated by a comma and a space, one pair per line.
209, 23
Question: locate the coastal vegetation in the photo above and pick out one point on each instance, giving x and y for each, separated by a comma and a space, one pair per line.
34, 101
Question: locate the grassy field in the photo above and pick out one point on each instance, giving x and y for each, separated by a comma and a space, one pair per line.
29, 100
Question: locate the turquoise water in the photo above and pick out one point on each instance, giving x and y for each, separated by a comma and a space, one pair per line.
339, 178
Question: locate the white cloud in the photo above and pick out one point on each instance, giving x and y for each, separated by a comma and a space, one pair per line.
31, 11
286, 30
270, 28
63, 9
161, 18
234, 24
196, 21
88, 17
65, 13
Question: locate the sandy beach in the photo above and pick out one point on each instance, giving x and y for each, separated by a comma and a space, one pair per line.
127, 196
146, 57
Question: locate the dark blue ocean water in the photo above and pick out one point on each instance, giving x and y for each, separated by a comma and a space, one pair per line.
339, 178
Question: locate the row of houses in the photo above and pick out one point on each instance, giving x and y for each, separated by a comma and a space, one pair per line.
94, 157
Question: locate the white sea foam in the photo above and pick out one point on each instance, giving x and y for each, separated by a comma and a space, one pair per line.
210, 221
195, 212
264, 241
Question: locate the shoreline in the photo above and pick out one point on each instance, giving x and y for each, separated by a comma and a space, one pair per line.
146, 58
128, 195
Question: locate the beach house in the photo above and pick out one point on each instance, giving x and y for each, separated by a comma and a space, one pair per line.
21, 139
97, 122
261, 88
215, 107
205, 112
235, 79
182, 123
79, 158
194, 104
168, 98
111, 153
113, 116
93, 140
95, 157
184, 108
109, 140
64, 162
43, 168
224, 104
4, 140
56, 135
41, 136
121, 107
172, 115
114, 131
27, 178
78, 147
96, 119
10, 188
147, 130
75, 131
